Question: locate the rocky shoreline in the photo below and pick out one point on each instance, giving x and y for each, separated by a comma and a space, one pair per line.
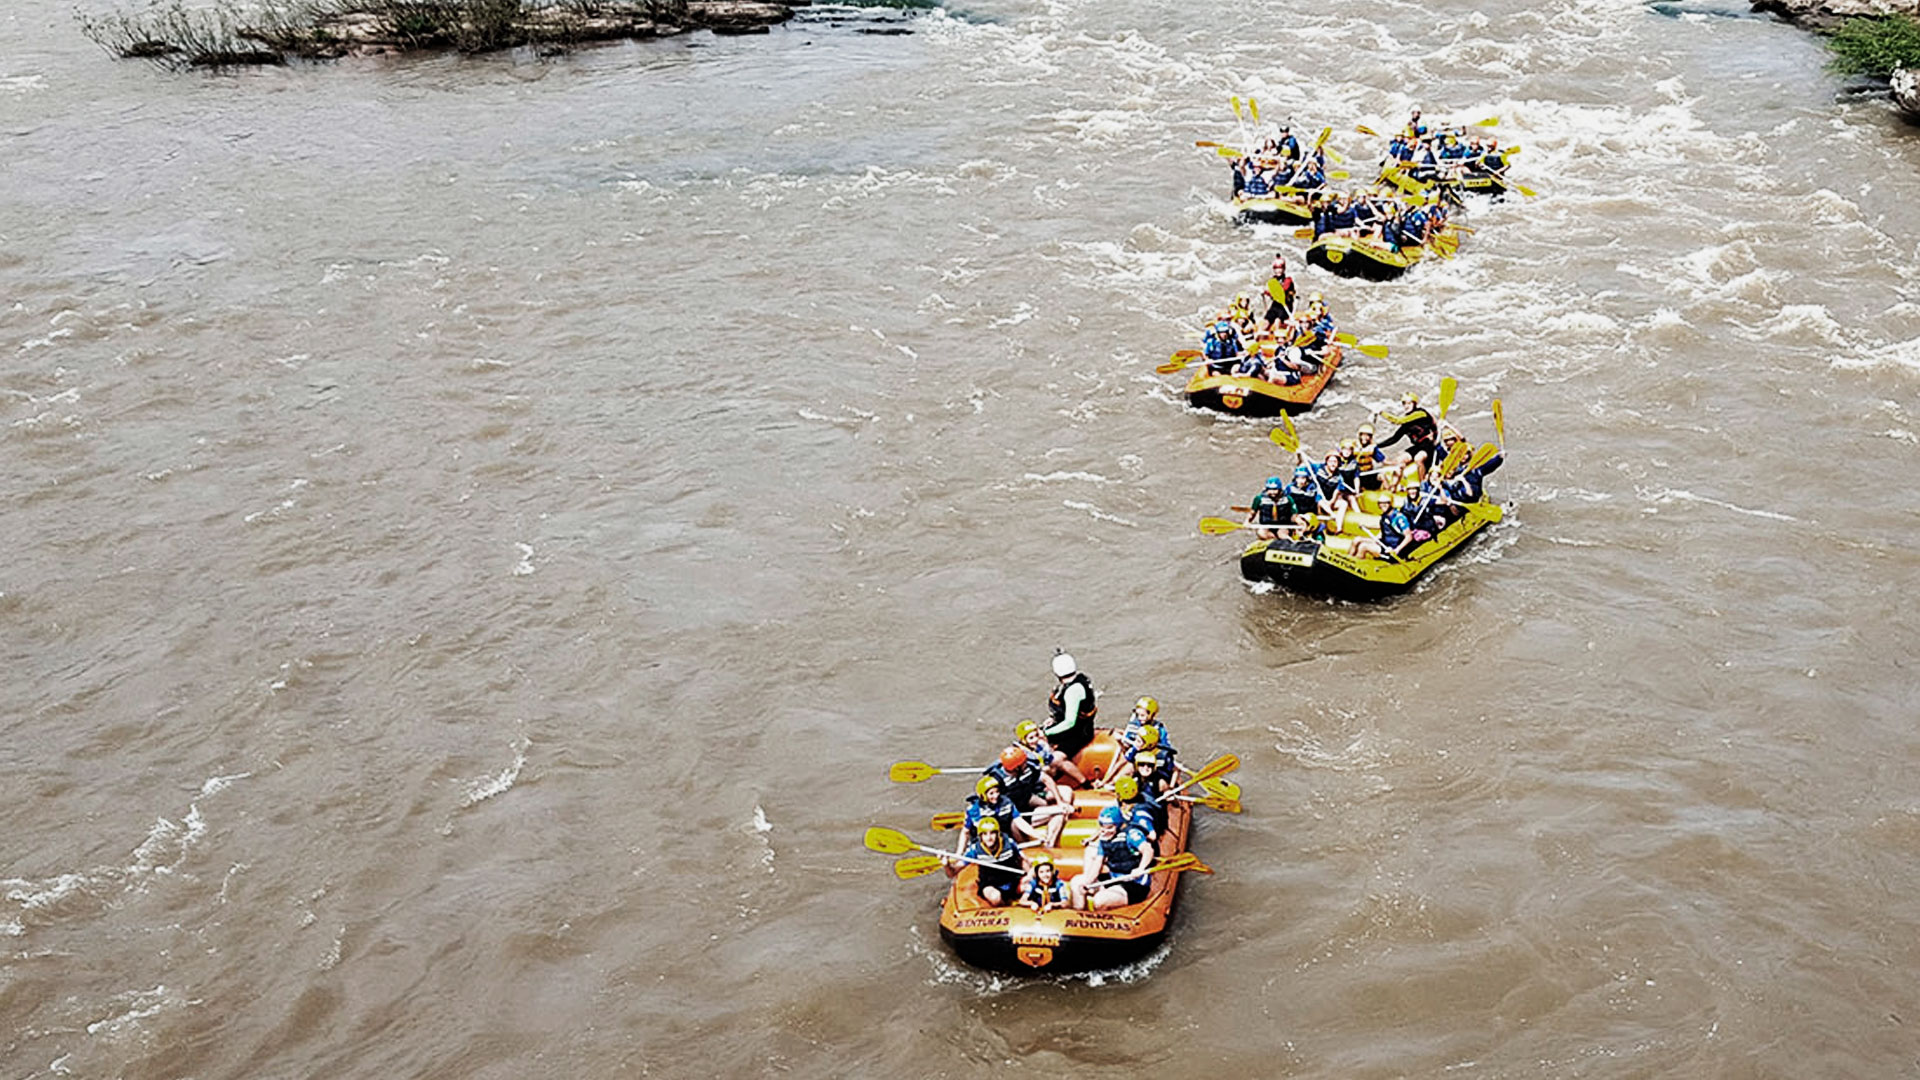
221, 36
1825, 15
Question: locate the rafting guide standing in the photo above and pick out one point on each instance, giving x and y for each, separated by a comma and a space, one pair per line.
1070, 708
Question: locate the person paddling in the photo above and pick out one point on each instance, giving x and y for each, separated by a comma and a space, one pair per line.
1000, 878
1071, 707
1032, 793
1417, 426
1117, 852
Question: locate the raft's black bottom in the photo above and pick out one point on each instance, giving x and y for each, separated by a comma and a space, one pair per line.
997, 952
1354, 265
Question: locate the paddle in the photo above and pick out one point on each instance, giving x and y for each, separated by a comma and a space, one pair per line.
914, 866
1219, 766
1365, 130
1491, 121
1229, 152
1254, 108
1481, 456
1172, 864
1447, 387
1284, 436
894, 842
912, 772
950, 820
1230, 806
1378, 352
1223, 788
1216, 526
1499, 425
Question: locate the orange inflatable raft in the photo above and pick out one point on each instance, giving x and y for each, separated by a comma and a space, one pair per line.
1017, 939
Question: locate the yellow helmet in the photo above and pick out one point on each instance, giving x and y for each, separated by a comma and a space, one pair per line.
1040, 859
1024, 729
981, 785
1151, 705
987, 825
1149, 736
1126, 789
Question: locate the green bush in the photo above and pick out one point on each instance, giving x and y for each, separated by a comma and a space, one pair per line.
1875, 46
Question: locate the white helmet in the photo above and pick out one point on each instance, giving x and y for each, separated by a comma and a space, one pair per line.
1063, 665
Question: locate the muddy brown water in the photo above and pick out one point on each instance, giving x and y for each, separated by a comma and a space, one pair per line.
478, 531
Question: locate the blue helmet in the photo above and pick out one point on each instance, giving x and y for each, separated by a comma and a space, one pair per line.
1273, 481
1112, 816
1302, 470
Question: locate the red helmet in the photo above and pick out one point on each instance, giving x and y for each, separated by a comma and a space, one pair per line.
1013, 759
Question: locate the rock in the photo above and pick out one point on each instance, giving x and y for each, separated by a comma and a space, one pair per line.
1906, 91
1826, 14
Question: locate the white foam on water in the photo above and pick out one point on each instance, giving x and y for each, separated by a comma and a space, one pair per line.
23, 84
525, 565
761, 827
1096, 513
1668, 496
1810, 324
1903, 354
1047, 478
138, 1005
486, 787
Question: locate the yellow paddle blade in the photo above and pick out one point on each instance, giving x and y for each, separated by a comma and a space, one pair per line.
1525, 190
1278, 294
910, 772
1491, 121
950, 820
1303, 234
1236, 108
1454, 458
1283, 440
1205, 144
1338, 174
1499, 424
1214, 526
1221, 788
1365, 130
1215, 802
1254, 108
1322, 140
1448, 386
1482, 456
1230, 152
914, 866
1378, 352
889, 841
1286, 422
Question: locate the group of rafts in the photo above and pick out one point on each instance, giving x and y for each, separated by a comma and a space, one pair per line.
1067, 857
1354, 522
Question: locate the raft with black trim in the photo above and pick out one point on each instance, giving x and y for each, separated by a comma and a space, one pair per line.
1251, 396
1481, 183
1290, 207
1373, 258
1329, 568
1018, 940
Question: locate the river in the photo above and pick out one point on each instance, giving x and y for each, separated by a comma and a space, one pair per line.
479, 529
